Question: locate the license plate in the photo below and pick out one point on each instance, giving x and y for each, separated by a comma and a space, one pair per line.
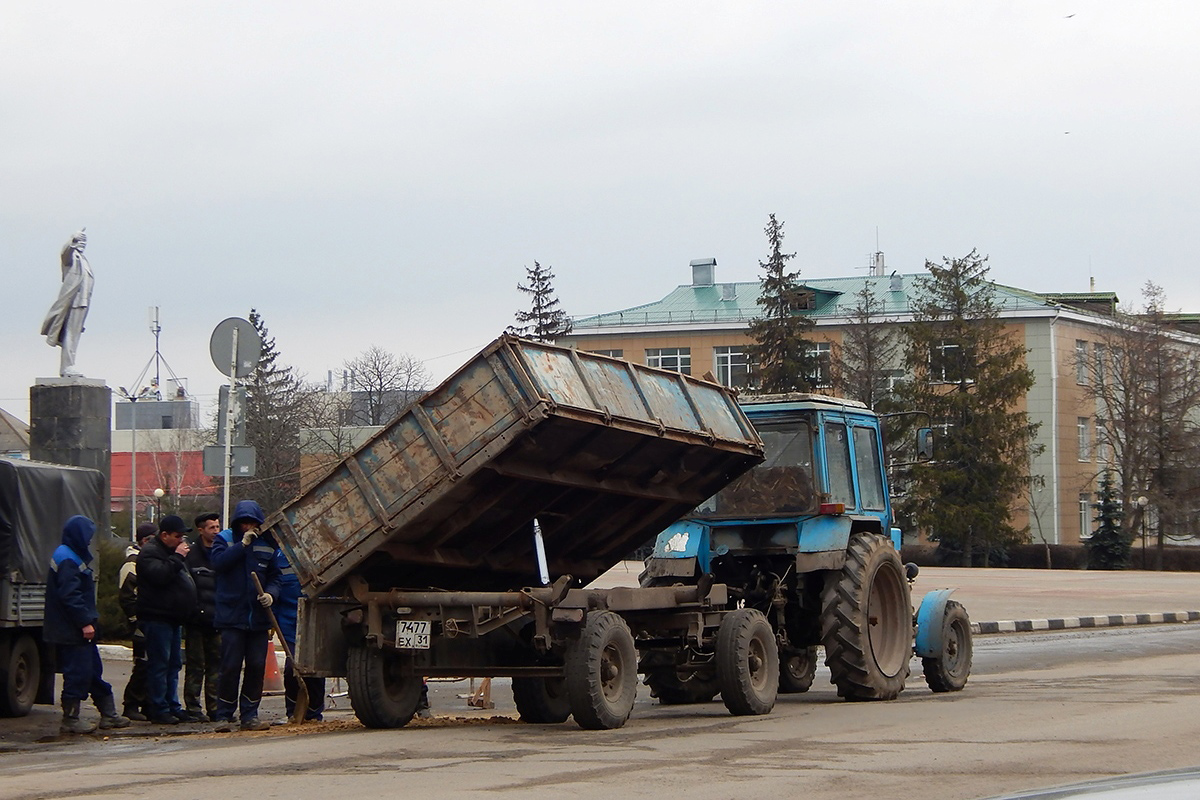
412, 634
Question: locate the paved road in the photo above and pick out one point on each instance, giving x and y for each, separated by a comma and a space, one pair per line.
1042, 710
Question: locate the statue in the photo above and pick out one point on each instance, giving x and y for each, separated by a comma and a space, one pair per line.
64, 321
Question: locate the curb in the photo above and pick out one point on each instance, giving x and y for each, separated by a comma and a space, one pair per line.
1073, 623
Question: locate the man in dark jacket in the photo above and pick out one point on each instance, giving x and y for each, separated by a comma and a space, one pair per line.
136, 707
238, 553
70, 622
202, 641
166, 600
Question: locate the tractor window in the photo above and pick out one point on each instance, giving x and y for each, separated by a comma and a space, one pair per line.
866, 461
837, 455
782, 484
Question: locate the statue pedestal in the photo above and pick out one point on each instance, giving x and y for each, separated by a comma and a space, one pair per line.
71, 423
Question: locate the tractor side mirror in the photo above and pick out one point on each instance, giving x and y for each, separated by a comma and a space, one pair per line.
924, 444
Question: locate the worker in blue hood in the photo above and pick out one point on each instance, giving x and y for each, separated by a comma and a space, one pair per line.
239, 553
70, 623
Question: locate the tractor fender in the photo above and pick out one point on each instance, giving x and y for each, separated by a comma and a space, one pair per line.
684, 540
929, 623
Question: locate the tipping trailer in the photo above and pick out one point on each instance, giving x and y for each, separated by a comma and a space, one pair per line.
429, 551
36, 498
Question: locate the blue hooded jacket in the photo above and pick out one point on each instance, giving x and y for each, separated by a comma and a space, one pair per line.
287, 609
71, 586
233, 563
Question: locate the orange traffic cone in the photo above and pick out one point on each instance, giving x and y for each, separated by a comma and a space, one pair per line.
272, 678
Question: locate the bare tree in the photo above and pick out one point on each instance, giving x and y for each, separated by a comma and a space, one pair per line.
383, 383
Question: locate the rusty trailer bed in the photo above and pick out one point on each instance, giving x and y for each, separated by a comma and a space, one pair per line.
602, 452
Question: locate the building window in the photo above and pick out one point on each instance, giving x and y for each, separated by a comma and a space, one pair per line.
895, 377
1083, 426
612, 353
1099, 357
1104, 451
1086, 526
821, 353
676, 359
1081, 362
733, 366
947, 363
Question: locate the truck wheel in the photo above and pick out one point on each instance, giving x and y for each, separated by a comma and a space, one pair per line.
541, 701
949, 671
747, 662
602, 672
797, 668
867, 621
673, 690
380, 696
20, 676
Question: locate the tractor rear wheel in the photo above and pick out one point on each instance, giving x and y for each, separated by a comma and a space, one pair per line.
380, 696
948, 671
867, 621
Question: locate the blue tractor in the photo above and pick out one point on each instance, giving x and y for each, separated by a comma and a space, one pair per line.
806, 544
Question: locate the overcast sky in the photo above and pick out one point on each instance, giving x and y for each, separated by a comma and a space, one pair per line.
382, 173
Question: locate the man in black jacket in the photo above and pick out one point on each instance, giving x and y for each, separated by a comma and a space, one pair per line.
202, 660
166, 600
135, 690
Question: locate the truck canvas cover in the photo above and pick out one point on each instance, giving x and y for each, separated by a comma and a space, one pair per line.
35, 500
601, 452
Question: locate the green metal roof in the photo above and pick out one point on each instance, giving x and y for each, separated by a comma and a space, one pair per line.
835, 297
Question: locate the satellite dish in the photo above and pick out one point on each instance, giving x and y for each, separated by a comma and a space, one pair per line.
249, 347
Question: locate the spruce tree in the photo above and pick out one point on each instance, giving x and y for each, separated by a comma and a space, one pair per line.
869, 350
276, 400
780, 358
544, 321
969, 374
1109, 547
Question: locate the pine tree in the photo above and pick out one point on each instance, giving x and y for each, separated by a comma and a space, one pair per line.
969, 374
780, 356
870, 349
1109, 547
545, 321
276, 400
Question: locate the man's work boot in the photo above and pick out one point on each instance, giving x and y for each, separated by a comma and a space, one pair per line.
135, 715
254, 724
109, 718
71, 723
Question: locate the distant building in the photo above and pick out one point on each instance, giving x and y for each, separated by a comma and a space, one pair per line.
14, 436
700, 329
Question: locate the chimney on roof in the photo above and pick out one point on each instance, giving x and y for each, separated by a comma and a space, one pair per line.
704, 271
897, 282
877, 264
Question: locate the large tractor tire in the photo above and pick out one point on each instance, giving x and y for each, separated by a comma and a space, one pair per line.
867, 621
601, 672
380, 696
19, 677
672, 689
797, 668
948, 671
747, 662
541, 701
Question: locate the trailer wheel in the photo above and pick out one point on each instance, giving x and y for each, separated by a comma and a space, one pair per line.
866, 621
797, 668
949, 671
20, 676
541, 701
673, 690
747, 662
380, 696
601, 672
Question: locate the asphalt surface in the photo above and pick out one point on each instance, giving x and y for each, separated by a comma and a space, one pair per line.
998, 601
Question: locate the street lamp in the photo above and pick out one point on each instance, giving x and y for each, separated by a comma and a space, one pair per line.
133, 397
158, 496
1142, 502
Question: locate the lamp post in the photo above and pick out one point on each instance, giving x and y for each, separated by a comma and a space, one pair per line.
1142, 502
158, 496
133, 398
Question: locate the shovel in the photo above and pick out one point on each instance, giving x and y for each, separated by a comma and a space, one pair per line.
301, 709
